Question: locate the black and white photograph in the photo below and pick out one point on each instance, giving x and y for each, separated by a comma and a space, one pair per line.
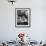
22, 17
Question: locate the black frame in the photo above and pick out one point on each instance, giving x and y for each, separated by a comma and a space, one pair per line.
29, 18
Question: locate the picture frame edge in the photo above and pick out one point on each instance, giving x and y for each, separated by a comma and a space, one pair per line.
29, 18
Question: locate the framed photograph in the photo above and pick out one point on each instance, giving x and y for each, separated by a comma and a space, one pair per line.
22, 17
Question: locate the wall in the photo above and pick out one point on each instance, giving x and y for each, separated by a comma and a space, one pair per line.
8, 31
